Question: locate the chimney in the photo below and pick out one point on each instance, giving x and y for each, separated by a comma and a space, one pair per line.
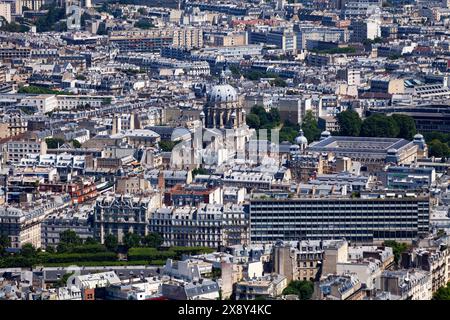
161, 181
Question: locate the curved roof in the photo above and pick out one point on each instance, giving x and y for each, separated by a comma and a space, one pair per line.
222, 93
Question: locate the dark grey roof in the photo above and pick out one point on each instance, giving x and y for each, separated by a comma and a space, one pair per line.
194, 289
358, 144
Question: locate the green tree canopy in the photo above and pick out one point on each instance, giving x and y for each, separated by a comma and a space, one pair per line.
53, 143
144, 24
397, 248
70, 237
289, 131
407, 126
259, 118
131, 240
443, 293
28, 251
49, 22
111, 242
253, 121
438, 149
349, 123
197, 171
90, 240
303, 289
5, 242
278, 82
76, 143
39, 90
379, 125
310, 127
13, 27
153, 240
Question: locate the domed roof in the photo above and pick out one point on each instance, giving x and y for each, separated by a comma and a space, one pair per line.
392, 151
222, 93
418, 137
326, 133
301, 139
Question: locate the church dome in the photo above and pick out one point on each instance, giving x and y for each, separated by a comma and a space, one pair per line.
301, 139
418, 137
222, 93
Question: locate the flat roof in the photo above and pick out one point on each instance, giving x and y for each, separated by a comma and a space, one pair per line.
358, 144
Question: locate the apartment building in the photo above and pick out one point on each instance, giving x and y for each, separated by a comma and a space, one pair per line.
118, 214
189, 38
23, 224
63, 220
407, 284
21, 146
209, 225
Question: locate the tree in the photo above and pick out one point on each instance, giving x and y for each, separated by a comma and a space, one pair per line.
253, 121
153, 240
274, 116
259, 118
131, 240
144, 24
278, 82
40, 90
111, 242
262, 115
438, 149
63, 281
310, 127
50, 249
443, 293
397, 248
197, 171
5, 242
235, 70
13, 27
90, 240
289, 131
349, 123
379, 125
54, 143
303, 289
69, 237
49, 22
407, 126
76, 144
28, 251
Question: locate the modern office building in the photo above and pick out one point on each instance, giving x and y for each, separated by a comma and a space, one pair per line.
368, 219
374, 153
